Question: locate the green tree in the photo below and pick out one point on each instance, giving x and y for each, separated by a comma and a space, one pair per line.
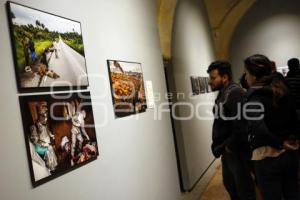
23, 37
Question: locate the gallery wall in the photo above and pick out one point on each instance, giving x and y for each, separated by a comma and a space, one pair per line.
192, 52
270, 28
136, 153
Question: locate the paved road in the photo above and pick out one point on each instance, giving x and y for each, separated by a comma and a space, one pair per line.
68, 64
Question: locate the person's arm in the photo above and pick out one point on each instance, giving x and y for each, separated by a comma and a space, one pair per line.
51, 135
34, 135
234, 105
84, 132
294, 126
293, 130
258, 132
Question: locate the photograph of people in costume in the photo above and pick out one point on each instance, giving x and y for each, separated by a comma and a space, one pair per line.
59, 132
48, 49
127, 84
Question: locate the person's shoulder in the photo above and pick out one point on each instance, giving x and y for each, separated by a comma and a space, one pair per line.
234, 88
255, 93
278, 75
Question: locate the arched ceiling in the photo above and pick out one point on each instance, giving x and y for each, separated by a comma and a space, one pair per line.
223, 15
166, 11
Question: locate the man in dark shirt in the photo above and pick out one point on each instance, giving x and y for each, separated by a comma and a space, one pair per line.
230, 133
293, 81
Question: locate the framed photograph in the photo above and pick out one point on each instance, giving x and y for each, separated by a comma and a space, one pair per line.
59, 133
195, 85
207, 86
283, 70
127, 87
48, 50
202, 84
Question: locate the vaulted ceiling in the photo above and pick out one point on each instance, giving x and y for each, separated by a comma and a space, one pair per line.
223, 15
166, 11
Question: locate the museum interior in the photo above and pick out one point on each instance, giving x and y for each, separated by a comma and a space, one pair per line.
111, 100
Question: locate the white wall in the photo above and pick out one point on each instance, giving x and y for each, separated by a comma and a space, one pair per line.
137, 158
271, 28
192, 52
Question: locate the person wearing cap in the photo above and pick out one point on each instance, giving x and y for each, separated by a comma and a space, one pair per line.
41, 137
77, 132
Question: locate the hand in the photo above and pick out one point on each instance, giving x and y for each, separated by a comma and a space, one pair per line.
291, 144
87, 138
52, 136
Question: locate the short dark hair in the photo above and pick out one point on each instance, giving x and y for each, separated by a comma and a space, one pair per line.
258, 65
223, 67
293, 64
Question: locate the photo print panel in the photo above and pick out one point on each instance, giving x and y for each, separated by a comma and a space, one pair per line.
127, 87
48, 50
195, 85
207, 86
59, 132
202, 85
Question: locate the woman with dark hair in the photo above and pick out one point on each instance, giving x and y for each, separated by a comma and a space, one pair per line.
273, 131
243, 82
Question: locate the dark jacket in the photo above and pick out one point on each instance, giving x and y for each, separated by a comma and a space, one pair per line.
229, 129
293, 82
278, 120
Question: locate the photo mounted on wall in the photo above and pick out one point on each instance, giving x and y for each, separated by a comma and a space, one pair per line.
59, 133
207, 86
283, 70
48, 50
195, 85
127, 85
200, 85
